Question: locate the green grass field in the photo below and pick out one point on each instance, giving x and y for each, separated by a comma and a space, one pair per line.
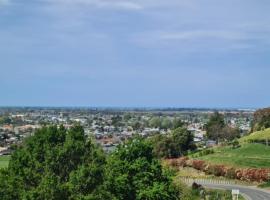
257, 136
4, 160
248, 155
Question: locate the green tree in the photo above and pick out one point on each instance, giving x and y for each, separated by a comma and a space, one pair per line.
166, 123
261, 119
56, 164
217, 130
5, 120
173, 145
133, 173
214, 126
155, 122
177, 123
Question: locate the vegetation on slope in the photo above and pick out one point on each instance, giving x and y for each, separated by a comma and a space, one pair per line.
261, 119
258, 136
246, 156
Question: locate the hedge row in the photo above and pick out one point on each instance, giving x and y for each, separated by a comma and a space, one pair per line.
250, 174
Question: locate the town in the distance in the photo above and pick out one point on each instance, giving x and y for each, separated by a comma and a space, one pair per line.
112, 126
134, 153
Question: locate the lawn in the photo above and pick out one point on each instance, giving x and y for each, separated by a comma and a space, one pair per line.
246, 156
4, 160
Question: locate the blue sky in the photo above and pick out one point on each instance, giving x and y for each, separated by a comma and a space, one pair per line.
174, 53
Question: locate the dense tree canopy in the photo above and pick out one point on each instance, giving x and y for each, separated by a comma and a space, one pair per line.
175, 144
215, 125
218, 130
134, 173
5, 120
57, 163
47, 165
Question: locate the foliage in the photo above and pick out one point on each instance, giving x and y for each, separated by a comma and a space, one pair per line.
217, 170
217, 130
5, 120
199, 164
265, 185
235, 144
4, 160
206, 152
173, 145
230, 173
261, 119
258, 136
214, 126
57, 163
165, 123
155, 122
48, 165
177, 123
176, 162
246, 156
135, 173
258, 175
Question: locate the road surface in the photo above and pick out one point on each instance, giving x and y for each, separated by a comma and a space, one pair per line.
248, 192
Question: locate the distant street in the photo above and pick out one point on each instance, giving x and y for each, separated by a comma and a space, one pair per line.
248, 192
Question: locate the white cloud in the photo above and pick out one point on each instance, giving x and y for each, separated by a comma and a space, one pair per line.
155, 37
113, 4
124, 4
201, 39
200, 34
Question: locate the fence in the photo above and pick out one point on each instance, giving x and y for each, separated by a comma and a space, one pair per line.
190, 181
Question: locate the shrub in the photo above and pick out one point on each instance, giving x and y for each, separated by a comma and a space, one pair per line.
258, 175
198, 164
196, 186
177, 162
217, 170
230, 173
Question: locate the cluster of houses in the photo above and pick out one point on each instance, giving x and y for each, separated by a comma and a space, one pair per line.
109, 128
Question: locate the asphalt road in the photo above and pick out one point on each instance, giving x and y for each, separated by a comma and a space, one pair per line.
248, 192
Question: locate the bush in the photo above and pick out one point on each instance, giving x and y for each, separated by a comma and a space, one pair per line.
235, 144
217, 170
177, 162
198, 164
196, 186
230, 173
258, 175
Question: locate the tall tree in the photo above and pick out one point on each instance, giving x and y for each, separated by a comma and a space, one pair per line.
134, 173
57, 164
54, 164
215, 126
173, 145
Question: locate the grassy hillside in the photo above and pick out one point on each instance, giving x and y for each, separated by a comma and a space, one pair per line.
247, 156
257, 136
4, 160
